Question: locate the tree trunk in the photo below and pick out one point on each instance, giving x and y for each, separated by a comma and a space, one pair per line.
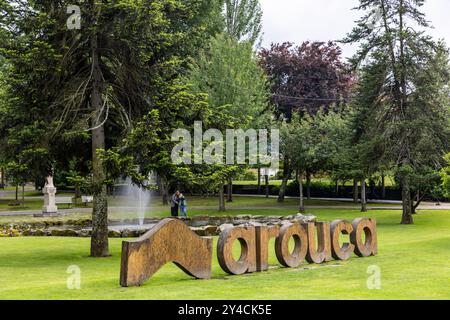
17, 192
77, 192
23, 195
363, 196
286, 172
337, 188
419, 199
2, 183
407, 217
355, 191
266, 178
283, 186
413, 205
164, 190
99, 238
300, 190
308, 185
221, 198
230, 191
259, 180
383, 187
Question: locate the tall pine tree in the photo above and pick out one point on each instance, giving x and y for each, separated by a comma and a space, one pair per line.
399, 112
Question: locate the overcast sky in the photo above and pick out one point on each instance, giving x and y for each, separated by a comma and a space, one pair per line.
323, 20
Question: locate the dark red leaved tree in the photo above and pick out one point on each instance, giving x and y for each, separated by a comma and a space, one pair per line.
307, 77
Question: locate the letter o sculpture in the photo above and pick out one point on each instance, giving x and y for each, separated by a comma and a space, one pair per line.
294, 259
339, 227
247, 260
368, 226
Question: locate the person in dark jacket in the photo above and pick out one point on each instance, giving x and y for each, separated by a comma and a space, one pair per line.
174, 204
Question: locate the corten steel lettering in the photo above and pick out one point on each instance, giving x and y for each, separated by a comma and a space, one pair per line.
169, 241
321, 252
172, 241
369, 227
247, 261
339, 227
263, 236
284, 256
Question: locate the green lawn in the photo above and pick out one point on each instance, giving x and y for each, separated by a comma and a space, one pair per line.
247, 201
389, 182
414, 262
32, 203
196, 206
255, 182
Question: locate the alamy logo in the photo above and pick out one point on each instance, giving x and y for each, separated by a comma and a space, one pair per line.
74, 21
374, 280
239, 147
74, 278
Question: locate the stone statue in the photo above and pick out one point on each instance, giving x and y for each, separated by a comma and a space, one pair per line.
49, 192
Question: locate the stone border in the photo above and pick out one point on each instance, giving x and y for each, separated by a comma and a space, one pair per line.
201, 225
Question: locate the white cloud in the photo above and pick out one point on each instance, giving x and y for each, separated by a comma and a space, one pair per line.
323, 20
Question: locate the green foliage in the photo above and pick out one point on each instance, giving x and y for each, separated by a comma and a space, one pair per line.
244, 20
445, 175
18, 172
401, 109
237, 92
229, 73
145, 45
315, 143
247, 176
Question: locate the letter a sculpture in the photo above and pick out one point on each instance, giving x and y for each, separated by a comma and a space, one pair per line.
169, 241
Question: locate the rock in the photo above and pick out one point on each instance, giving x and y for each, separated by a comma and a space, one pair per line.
254, 223
211, 231
243, 217
225, 219
127, 233
63, 233
198, 230
200, 218
141, 232
114, 234
199, 221
39, 233
13, 233
207, 231
214, 221
85, 233
71, 233
304, 219
224, 226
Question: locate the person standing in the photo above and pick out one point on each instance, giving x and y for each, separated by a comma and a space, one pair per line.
183, 205
174, 203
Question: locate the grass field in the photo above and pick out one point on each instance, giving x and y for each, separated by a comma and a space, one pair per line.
414, 262
389, 182
196, 206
